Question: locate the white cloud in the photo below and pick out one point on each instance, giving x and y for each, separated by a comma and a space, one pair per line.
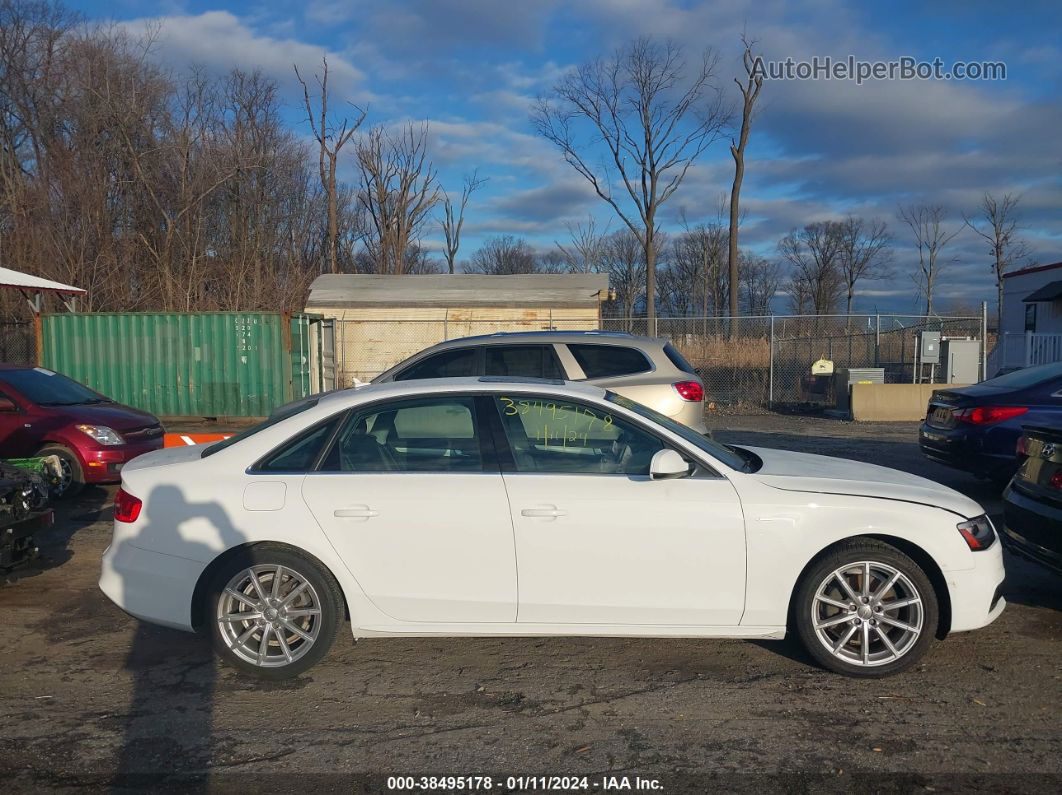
219, 41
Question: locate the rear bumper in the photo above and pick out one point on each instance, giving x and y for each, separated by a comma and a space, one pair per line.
975, 593
151, 586
1033, 529
104, 465
958, 449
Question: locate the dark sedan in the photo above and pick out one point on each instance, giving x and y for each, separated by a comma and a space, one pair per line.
1032, 503
976, 428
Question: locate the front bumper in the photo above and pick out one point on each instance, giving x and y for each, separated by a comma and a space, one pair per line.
975, 593
151, 586
104, 465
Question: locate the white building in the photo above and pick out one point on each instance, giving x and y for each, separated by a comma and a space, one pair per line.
1031, 326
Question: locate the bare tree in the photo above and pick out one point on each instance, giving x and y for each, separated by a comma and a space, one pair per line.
585, 252
454, 217
331, 137
864, 253
652, 128
814, 252
398, 192
750, 92
996, 223
503, 256
705, 244
625, 264
760, 280
926, 222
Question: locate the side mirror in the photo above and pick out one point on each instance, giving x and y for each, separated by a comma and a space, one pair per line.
668, 464
7, 404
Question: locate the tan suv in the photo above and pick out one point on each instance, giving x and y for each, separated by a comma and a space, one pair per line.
650, 371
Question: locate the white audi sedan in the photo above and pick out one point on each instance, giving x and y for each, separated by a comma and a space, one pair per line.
502, 506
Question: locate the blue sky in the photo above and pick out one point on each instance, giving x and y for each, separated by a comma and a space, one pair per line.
819, 149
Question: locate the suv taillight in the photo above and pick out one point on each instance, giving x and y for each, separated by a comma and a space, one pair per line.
126, 506
986, 415
690, 390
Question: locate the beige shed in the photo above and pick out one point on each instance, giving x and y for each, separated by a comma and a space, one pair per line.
381, 320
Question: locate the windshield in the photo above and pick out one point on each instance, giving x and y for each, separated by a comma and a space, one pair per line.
46, 388
1027, 377
279, 415
710, 446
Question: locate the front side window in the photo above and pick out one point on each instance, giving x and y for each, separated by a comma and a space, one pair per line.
528, 361
558, 436
423, 435
604, 361
447, 364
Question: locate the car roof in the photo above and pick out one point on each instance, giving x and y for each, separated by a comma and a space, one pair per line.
507, 337
488, 383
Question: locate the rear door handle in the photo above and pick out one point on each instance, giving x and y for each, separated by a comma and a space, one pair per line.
543, 512
355, 512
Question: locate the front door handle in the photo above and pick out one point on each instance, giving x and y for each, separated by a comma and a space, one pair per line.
543, 512
355, 512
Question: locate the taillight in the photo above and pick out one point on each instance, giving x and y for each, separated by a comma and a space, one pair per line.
978, 533
690, 390
126, 506
1056, 479
986, 415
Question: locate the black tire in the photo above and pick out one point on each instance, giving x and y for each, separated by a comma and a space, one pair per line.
851, 552
329, 599
73, 474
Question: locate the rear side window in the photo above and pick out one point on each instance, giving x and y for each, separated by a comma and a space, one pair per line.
529, 361
300, 454
678, 359
447, 364
424, 435
602, 361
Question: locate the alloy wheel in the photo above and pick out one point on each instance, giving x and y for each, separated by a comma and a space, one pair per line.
269, 615
867, 613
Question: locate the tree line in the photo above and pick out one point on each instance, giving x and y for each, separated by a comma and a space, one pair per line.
161, 191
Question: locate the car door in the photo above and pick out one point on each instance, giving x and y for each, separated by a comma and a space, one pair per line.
410, 496
597, 540
15, 439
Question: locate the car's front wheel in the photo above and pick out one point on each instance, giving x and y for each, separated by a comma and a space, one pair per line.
273, 612
866, 609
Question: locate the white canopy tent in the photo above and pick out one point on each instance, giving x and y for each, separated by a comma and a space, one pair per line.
34, 287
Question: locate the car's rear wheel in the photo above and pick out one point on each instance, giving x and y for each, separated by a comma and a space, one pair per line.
273, 612
866, 609
71, 475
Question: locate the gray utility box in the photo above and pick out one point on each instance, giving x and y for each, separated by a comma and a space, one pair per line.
929, 347
843, 380
961, 360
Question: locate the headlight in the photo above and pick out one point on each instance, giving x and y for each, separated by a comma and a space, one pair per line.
978, 533
102, 434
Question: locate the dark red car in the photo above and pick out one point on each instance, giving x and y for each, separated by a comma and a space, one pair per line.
46, 413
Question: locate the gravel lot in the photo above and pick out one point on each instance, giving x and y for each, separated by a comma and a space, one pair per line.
88, 697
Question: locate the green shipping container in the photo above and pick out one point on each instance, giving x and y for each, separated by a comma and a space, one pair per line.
208, 364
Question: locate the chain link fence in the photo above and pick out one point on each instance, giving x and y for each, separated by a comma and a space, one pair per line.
17, 342
745, 362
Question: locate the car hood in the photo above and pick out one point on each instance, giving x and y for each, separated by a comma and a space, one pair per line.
112, 415
822, 474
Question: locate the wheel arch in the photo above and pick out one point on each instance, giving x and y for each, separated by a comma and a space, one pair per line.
201, 591
907, 547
